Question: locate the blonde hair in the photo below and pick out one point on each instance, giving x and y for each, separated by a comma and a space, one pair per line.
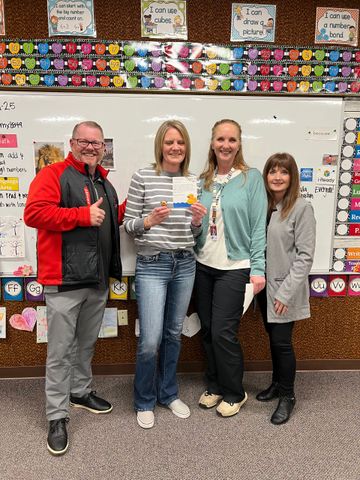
286, 161
159, 142
211, 164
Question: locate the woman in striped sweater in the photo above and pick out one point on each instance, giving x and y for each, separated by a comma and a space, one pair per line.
165, 269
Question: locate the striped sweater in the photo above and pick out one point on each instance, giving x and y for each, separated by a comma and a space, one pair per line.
147, 190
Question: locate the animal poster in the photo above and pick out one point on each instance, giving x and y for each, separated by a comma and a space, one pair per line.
75, 18
108, 160
164, 19
253, 23
47, 153
337, 25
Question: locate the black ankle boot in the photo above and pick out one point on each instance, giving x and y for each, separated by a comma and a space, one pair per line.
269, 394
283, 410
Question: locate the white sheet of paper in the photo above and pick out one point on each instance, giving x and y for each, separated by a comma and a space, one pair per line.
2, 322
184, 191
41, 325
191, 325
249, 295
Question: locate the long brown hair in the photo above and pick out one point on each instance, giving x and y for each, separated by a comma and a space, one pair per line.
159, 141
287, 161
211, 164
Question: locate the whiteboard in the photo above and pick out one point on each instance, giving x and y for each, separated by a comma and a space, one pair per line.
307, 128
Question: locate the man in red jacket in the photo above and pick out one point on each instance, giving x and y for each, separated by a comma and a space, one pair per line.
76, 211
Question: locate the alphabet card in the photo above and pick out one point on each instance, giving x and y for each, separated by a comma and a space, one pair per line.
13, 289
337, 285
354, 286
34, 291
164, 19
337, 25
318, 285
252, 23
118, 290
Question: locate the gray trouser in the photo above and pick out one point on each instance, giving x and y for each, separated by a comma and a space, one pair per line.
74, 320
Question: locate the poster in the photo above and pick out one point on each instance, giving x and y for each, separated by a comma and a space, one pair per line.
75, 18
337, 25
2, 18
252, 22
12, 239
164, 19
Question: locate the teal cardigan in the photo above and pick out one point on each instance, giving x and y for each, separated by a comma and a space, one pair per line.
243, 208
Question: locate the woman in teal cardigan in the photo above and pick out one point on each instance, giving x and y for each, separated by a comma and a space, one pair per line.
230, 254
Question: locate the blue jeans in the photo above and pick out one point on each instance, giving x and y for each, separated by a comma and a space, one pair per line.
163, 284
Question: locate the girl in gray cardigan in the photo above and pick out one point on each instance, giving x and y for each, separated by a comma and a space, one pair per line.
289, 257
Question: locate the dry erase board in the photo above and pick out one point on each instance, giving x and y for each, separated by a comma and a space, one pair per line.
307, 128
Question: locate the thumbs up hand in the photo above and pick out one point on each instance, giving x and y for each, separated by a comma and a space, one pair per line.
97, 214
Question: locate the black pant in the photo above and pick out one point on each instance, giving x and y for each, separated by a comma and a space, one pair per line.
219, 296
282, 351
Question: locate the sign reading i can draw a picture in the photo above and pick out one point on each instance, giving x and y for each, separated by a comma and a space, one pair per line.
252, 22
337, 25
164, 19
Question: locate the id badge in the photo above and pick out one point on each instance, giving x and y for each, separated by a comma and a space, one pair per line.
213, 232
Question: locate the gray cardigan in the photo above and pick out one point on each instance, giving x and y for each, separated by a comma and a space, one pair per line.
289, 257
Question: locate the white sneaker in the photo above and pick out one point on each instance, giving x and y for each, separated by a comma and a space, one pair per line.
179, 408
145, 418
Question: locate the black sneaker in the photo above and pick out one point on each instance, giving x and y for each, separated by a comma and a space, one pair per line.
92, 403
57, 441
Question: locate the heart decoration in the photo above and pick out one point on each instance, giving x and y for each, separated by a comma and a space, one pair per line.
63, 80
253, 53
87, 63
278, 70
191, 325
293, 70
226, 84
49, 80
357, 55
294, 54
14, 47
213, 84
43, 48
132, 82
304, 86
345, 71
278, 85
306, 70
114, 48
278, 54
118, 81
129, 65
91, 80
317, 86
20, 79
159, 82
306, 55
71, 48
58, 63
100, 64
100, 48
264, 69
115, 64
86, 48
355, 87
252, 85
265, 85
45, 63
34, 79
291, 86
342, 87
56, 48
199, 83
76, 80
2, 47
319, 55
16, 62
104, 81
3, 62
265, 53
211, 68
28, 47
6, 78
24, 321
73, 63
319, 70
30, 63
129, 50
145, 82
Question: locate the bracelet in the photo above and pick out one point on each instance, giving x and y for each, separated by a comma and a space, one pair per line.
147, 224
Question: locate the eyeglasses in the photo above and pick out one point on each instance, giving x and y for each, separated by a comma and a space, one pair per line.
96, 144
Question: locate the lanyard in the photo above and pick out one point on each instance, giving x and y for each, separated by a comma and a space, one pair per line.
215, 201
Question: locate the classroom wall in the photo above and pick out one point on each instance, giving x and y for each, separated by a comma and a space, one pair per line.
328, 340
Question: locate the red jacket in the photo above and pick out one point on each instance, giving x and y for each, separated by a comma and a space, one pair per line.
58, 205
